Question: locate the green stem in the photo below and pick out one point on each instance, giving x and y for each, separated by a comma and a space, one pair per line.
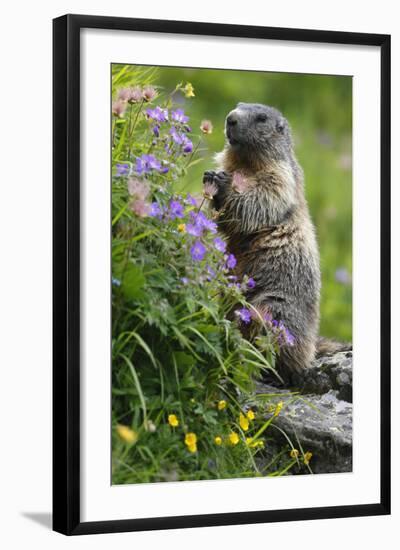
114, 127
193, 153
132, 128
201, 205
137, 116
129, 131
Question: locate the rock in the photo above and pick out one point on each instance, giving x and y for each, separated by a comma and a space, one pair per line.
318, 418
332, 372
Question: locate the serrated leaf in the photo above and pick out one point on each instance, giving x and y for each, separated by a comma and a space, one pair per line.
133, 281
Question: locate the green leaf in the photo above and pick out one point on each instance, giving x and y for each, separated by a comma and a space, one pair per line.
133, 281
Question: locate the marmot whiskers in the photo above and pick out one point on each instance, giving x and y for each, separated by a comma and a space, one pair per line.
262, 210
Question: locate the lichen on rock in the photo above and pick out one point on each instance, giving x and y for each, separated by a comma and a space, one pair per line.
317, 414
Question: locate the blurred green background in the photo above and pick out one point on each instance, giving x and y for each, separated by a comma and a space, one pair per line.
319, 109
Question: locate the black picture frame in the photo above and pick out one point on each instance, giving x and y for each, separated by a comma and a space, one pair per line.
66, 273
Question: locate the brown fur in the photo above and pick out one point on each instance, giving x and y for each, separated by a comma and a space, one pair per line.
268, 226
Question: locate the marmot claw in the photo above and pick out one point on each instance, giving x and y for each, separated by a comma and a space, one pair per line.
209, 176
219, 178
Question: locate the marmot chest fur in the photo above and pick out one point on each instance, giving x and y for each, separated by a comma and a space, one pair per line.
258, 192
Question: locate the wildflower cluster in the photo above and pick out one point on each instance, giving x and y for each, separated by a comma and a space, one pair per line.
233, 437
178, 354
132, 95
281, 334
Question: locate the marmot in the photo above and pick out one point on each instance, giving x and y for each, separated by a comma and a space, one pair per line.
258, 192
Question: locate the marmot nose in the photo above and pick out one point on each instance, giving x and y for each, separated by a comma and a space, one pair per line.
231, 120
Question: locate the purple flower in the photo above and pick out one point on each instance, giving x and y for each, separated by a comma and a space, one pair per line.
194, 230
155, 210
244, 315
251, 283
342, 276
268, 318
156, 130
168, 148
182, 140
231, 261
185, 280
179, 116
220, 244
284, 336
176, 136
198, 251
116, 282
122, 169
290, 339
191, 200
187, 145
202, 221
158, 114
211, 273
147, 163
175, 210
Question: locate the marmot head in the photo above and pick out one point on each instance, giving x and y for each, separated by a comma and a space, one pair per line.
258, 130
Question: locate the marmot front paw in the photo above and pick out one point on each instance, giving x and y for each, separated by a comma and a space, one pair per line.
214, 182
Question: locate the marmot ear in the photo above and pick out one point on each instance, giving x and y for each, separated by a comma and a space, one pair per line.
280, 126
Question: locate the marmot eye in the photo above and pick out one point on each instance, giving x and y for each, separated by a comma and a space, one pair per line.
280, 127
261, 118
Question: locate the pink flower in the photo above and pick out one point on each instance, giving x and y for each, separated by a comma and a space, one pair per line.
138, 188
140, 207
118, 108
123, 94
149, 93
239, 182
210, 189
135, 95
206, 126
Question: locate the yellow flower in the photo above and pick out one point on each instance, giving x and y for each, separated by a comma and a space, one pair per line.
250, 415
307, 458
278, 408
218, 440
258, 443
294, 453
173, 420
221, 405
126, 433
191, 442
188, 90
244, 423
234, 438
182, 227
